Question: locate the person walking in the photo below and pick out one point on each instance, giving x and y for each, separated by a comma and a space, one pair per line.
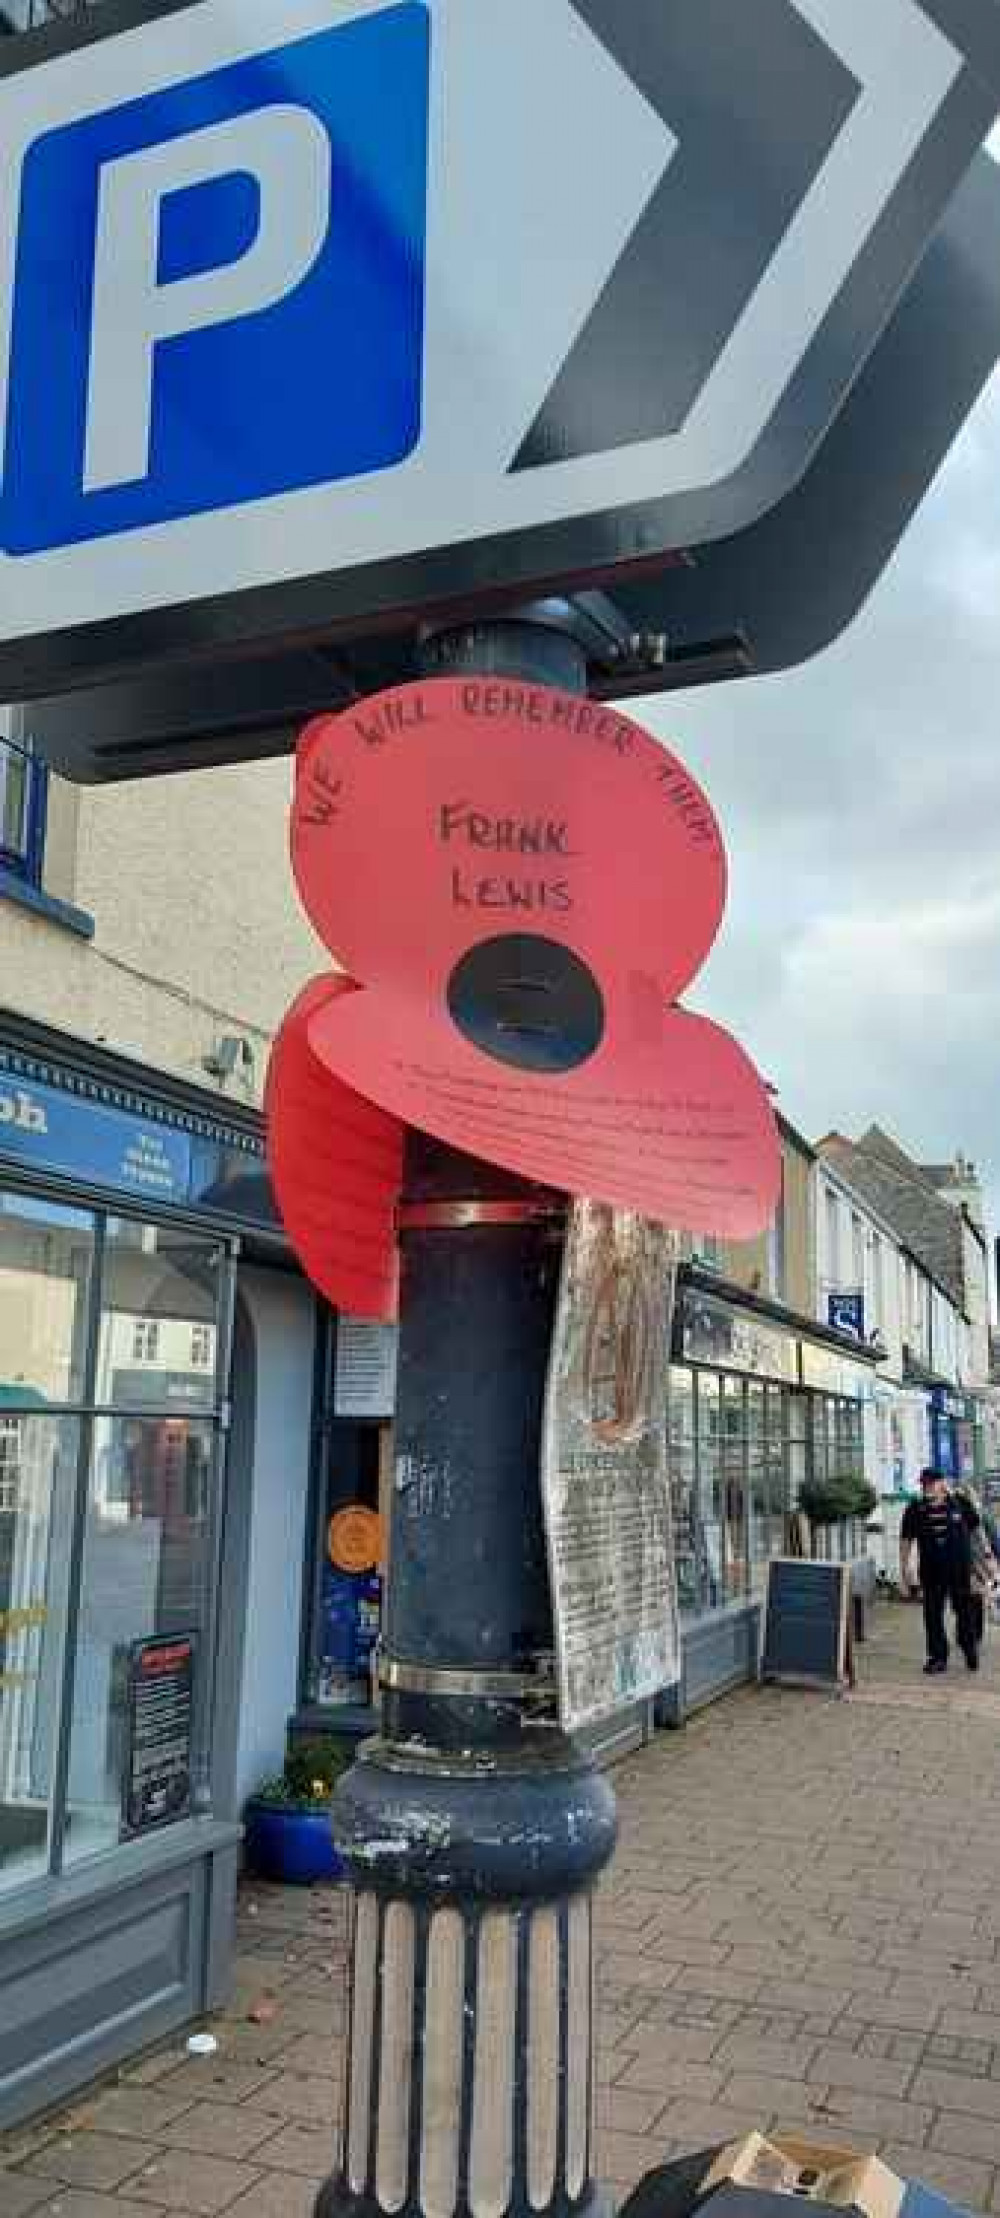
940, 1528
985, 1551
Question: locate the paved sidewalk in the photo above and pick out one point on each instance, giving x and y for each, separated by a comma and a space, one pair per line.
802, 1928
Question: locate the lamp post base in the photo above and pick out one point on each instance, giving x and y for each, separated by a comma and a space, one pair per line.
470, 2059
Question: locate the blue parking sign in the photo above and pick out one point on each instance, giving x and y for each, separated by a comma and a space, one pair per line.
219, 288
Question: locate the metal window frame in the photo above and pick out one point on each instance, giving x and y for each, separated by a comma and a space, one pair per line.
27, 861
85, 1411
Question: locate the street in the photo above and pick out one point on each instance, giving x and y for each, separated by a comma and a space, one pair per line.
801, 1928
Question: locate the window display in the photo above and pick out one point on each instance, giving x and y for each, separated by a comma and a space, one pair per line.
350, 1546
742, 1447
109, 1412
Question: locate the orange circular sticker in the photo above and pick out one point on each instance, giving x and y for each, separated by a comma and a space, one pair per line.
354, 1539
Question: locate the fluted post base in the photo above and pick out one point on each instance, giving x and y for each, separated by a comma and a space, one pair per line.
470, 2076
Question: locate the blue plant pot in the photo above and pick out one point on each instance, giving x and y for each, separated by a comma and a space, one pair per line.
293, 1846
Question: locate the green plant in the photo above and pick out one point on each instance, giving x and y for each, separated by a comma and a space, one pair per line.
312, 1769
831, 1501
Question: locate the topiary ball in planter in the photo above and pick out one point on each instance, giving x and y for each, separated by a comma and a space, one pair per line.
834, 1501
290, 1840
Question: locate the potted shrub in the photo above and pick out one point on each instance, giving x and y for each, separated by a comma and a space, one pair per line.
837, 1501
288, 1821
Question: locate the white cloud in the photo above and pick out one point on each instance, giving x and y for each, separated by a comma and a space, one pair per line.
860, 797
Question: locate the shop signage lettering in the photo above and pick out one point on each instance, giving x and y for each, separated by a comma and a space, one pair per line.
48, 1129
715, 1334
23, 1110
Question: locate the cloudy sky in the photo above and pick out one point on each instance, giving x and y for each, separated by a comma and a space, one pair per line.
859, 961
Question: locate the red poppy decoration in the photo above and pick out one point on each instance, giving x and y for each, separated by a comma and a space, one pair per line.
519, 885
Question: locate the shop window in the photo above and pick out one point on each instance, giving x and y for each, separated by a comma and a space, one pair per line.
348, 1594
146, 1573
767, 1466
35, 1532
693, 1577
46, 1265
779, 1489
758, 1478
820, 1441
798, 1447
159, 1290
734, 1473
709, 1442
98, 1318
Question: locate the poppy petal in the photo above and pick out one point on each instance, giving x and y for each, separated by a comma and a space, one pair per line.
336, 1164
673, 1122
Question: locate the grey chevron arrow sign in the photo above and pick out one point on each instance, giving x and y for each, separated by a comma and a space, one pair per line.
755, 99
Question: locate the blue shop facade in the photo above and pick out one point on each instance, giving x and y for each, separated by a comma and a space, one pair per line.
160, 1378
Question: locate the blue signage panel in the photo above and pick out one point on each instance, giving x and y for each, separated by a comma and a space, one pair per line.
847, 1314
50, 1130
219, 288
233, 1182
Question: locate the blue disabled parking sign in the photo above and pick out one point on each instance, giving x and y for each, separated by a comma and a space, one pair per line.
219, 288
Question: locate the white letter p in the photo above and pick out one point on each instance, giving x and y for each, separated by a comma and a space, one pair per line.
287, 151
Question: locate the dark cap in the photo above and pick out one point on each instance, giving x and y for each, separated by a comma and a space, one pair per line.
930, 1477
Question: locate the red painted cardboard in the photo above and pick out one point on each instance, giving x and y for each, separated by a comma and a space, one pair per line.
520, 883
676, 1124
443, 814
336, 1164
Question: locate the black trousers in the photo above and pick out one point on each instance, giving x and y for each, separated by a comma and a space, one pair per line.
958, 1592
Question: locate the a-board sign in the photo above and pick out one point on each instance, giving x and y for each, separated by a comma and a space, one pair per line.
393, 307
157, 1784
605, 1483
806, 1622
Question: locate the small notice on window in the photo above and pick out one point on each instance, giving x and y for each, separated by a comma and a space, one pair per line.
365, 1374
157, 1787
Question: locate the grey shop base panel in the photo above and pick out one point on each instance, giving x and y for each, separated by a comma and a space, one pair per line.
719, 1651
97, 1965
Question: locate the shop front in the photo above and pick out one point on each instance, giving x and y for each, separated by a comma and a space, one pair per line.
138, 1247
953, 1426
761, 1402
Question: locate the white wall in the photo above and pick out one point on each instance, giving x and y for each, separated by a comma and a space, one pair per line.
282, 1311
975, 1272
837, 1267
944, 1337
198, 930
